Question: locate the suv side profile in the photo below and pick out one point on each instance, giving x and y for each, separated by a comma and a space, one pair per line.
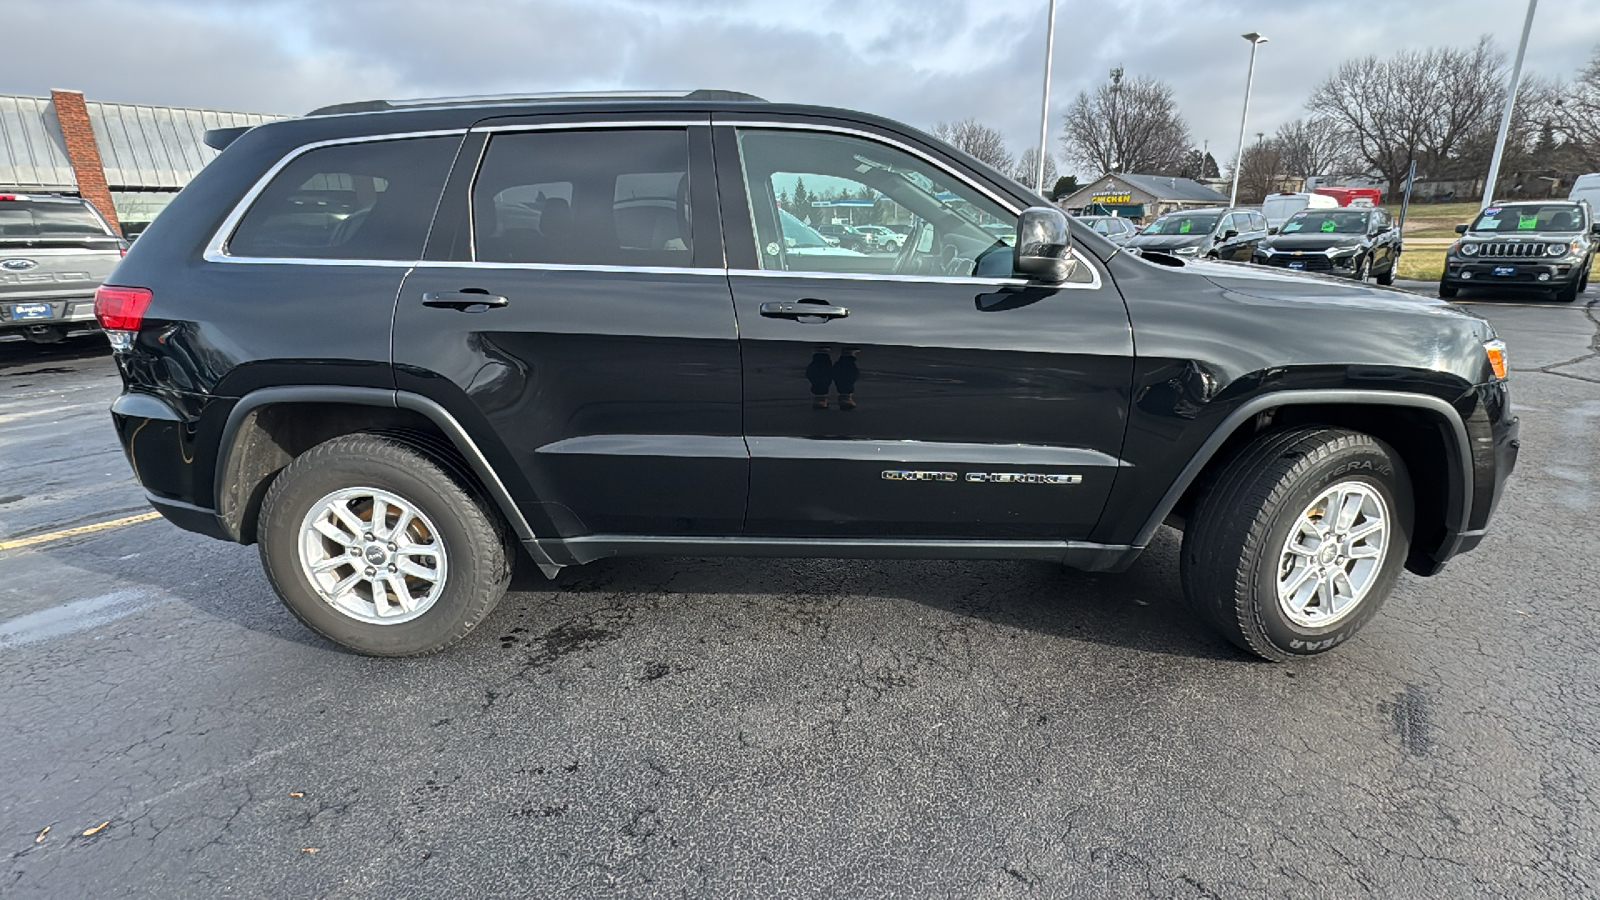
393, 344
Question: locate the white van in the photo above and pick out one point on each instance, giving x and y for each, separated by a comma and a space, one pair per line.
1279, 207
1587, 187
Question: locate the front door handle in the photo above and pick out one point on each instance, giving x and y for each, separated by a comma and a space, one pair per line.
464, 300
803, 308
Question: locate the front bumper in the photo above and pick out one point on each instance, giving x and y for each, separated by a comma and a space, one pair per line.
1318, 262
1493, 438
1526, 274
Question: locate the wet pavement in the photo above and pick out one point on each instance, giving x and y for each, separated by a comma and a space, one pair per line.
694, 727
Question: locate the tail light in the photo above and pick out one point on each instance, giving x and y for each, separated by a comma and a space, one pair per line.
121, 308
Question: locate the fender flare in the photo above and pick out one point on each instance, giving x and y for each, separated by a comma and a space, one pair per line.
1460, 463
386, 398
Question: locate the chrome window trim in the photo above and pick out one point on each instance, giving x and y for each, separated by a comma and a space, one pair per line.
217, 248
563, 267
929, 158
688, 120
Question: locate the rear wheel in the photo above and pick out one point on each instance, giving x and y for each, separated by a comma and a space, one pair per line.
374, 546
1298, 541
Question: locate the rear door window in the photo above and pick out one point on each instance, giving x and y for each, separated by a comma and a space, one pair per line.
605, 197
364, 201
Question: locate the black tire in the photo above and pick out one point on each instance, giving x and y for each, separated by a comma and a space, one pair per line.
474, 536
1446, 290
1364, 270
1233, 541
1569, 293
1387, 278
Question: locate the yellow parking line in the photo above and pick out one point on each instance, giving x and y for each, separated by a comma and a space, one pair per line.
74, 532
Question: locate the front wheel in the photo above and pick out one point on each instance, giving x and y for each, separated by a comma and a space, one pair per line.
1364, 270
1298, 541
1387, 278
373, 545
1446, 291
1568, 294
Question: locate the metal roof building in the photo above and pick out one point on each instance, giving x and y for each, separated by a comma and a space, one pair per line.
1141, 196
142, 154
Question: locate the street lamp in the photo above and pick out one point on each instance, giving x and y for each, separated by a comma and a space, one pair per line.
1044, 105
1255, 40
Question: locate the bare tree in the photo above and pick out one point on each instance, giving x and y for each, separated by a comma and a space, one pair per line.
1260, 170
1028, 168
1417, 104
1130, 125
978, 140
1576, 111
1313, 146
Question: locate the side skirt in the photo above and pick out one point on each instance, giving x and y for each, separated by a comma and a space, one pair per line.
1074, 554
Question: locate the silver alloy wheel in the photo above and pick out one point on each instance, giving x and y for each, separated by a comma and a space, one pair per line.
1365, 272
1333, 554
372, 555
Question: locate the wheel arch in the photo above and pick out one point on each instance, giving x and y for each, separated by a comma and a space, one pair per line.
1420, 428
268, 428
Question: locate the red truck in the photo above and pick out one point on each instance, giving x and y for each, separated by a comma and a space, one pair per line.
1352, 196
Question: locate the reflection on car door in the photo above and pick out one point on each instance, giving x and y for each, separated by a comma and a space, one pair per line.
926, 393
603, 352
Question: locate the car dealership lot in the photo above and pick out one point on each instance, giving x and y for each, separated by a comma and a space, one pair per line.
790, 727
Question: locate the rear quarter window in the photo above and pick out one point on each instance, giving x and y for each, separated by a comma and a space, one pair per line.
372, 200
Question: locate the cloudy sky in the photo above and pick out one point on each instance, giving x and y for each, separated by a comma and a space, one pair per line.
921, 61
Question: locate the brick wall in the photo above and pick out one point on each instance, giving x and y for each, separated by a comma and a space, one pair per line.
83, 153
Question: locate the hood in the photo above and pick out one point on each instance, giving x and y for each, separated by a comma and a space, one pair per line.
1167, 241
1311, 242
1279, 286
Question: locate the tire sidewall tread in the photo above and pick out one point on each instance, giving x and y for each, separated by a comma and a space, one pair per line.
475, 538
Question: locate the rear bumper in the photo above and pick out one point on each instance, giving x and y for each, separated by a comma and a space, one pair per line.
63, 311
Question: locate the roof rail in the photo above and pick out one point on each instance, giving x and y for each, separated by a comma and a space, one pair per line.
364, 106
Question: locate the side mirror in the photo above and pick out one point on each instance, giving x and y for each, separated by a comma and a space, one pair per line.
1461, 229
1595, 228
1229, 235
1043, 251
1272, 229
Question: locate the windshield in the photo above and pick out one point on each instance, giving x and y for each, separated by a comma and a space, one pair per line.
19, 218
1530, 217
1182, 225
1329, 222
798, 234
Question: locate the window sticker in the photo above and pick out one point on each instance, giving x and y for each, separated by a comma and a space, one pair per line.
1329, 225
1487, 223
1292, 226
1492, 211
1527, 222
1298, 215
1185, 225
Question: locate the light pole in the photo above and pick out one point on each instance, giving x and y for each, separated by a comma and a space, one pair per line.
1505, 116
1255, 41
1044, 106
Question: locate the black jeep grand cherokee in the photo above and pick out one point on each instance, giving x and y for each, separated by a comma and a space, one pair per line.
392, 342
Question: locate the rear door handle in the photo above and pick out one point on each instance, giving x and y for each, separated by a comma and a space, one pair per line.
463, 300
803, 308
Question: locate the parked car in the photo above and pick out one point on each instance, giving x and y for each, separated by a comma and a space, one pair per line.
1586, 188
54, 251
1534, 245
1214, 233
390, 401
1115, 229
1365, 197
1354, 243
1277, 208
881, 238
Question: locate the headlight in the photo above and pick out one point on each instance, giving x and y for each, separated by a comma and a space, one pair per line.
1264, 251
1496, 351
1556, 249
1343, 251
1186, 251
1468, 249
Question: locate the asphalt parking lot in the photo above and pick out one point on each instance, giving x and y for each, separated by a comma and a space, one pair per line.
740, 728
